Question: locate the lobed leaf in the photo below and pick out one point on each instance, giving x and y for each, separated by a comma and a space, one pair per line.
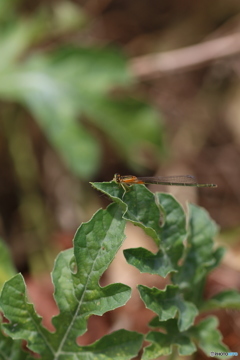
141, 210
147, 262
120, 345
209, 339
95, 245
173, 231
205, 335
78, 295
162, 343
228, 299
145, 210
167, 303
10, 349
138, 204
200, 257
113, 190
24, 321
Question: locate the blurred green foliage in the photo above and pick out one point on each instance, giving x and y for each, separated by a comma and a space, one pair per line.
7, 269
66, 84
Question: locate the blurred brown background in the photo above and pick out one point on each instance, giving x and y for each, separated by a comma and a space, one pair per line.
185, 60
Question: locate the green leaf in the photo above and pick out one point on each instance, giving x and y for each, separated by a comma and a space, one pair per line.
90, 77
58, 120
142, 210
134, 128
132, 125
162, 343
147, 262
139, 204
25, 323
95, 245
57, 88
145, 210
10, 349
77, 292
7, 269
68, 85
229, 299
14, 40
172, 234
113, 190
200, 257
167, 303
173, 231
205, 335
208, 337
121, 344
52, 104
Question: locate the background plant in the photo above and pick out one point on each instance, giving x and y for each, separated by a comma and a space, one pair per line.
68, 83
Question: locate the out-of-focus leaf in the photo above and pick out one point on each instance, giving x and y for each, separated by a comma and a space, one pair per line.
56, 90
56, 113
7, 10
229, 299
131, 124
7, 269
93, 72
76, 145
72, 83
208, 338
14, 40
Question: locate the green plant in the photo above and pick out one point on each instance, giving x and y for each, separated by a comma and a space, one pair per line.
78, 295
69, 89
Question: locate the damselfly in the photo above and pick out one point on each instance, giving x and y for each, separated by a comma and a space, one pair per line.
178, 180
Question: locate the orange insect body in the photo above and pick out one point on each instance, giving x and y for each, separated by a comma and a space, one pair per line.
130, 179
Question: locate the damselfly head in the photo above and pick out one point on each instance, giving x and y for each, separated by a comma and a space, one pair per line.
116, 178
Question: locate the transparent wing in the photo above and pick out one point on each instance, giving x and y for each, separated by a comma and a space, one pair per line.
179, 179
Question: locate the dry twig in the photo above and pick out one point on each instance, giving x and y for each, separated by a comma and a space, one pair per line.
187, 58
